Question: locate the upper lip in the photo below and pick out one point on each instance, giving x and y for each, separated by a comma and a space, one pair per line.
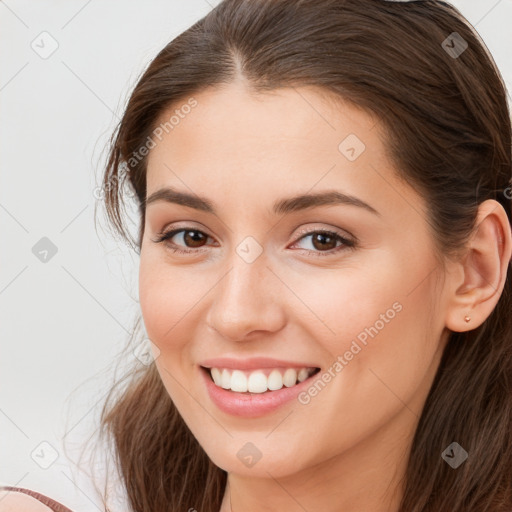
253, 363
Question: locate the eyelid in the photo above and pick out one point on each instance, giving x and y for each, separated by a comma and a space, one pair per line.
165, 234
348, 240
335, 231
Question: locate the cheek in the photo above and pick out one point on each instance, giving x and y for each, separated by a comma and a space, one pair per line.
171, 301
368, 300
343, 304
388, 338
378, 317
164, 301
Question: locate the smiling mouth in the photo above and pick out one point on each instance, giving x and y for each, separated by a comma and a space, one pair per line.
259, 380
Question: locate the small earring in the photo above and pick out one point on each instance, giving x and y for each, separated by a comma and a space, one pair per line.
467, 318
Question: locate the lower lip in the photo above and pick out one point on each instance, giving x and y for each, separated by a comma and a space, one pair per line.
251, 405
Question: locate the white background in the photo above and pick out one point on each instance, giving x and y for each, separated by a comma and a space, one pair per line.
64, 322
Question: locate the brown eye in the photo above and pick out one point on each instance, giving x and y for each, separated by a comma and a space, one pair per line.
191, 239
324, 241
194, 238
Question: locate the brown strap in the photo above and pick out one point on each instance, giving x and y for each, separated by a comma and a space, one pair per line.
54, 505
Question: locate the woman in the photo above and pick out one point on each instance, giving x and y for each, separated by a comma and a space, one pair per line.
325, 240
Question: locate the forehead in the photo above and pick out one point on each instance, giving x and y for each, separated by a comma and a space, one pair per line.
234, 125
288, 140
234, 114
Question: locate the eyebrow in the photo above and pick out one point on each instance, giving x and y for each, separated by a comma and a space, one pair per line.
280, 207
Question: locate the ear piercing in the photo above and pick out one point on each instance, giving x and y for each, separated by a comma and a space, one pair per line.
467, 318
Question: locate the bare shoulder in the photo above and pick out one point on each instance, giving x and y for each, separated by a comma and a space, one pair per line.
20, 502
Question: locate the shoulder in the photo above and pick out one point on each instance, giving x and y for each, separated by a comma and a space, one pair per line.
20, 502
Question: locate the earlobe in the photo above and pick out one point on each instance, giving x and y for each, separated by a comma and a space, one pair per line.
484, 269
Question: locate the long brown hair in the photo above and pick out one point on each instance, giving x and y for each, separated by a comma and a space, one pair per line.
424, 72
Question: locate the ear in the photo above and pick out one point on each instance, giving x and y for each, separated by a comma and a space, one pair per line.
482, 272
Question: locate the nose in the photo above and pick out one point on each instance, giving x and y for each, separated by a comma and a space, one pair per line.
247, 300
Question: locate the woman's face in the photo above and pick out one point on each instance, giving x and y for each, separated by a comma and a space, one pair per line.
265, 298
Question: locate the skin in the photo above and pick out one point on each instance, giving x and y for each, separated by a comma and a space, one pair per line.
347, 448
11, 501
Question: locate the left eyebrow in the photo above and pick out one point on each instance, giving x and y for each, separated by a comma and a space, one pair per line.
328, 198
280, 207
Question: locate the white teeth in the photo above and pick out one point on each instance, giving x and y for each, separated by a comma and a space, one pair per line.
258, 381
226, 380
275, 380
238, 381
290, 378
217, 376
302, 375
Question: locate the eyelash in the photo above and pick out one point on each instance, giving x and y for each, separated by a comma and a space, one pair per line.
346, 243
